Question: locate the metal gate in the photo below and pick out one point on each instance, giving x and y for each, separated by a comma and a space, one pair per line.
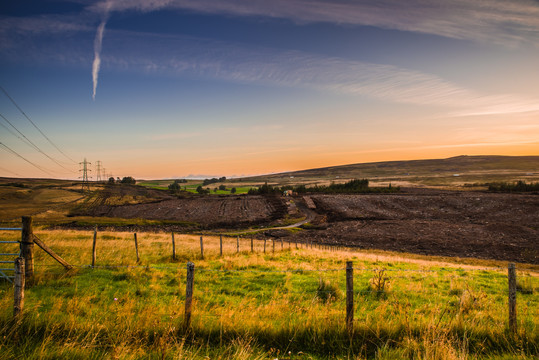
6, 271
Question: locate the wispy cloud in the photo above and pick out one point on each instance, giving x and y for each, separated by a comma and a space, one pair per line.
98, 42
205, 58
495, 21
186, 56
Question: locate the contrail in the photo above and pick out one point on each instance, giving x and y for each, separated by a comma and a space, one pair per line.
97, 49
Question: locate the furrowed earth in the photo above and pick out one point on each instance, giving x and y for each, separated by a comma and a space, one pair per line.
423, 221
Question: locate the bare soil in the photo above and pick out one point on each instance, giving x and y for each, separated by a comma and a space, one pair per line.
433, 222
206, 211
423, 221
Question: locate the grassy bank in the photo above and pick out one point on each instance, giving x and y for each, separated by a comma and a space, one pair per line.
287, 305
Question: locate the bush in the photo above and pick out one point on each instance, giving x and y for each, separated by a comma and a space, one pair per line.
213, 181
202, 191
174, 187
326, 291
128, 180
519, 186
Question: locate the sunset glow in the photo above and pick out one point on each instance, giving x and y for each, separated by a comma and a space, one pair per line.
178, 88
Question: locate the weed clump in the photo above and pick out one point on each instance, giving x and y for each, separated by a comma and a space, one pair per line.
379, 284
327, 291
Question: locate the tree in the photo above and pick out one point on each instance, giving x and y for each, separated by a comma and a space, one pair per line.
174, 187
233, 190
111, 180
222, 187
128, 180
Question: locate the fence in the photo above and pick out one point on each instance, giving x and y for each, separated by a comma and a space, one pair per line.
347, 275
8, 273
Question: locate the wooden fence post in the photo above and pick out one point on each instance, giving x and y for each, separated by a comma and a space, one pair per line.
273, 243
94, 253
221, 245
512, 279
189, 293
282, 244
49, 251
201, 248
350, 297
296, 244
264, 246
252, 247
238, 245
19, 289
27, 247
173, 247
136, 248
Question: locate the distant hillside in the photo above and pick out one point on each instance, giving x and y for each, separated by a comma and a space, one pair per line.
450, 171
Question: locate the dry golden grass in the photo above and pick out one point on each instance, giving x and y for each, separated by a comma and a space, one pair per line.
253, 306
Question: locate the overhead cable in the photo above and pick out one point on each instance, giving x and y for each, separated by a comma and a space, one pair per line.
8, 149
38, 129
30, 143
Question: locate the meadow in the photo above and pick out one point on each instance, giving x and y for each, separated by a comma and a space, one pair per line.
287, 304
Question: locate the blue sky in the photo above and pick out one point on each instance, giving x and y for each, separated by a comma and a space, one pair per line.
171, 88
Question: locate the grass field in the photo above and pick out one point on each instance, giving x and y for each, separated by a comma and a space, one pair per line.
284, 305
192, 185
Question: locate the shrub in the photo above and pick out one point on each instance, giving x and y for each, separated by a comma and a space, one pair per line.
128, 180
326, 291
174, 187
379, 283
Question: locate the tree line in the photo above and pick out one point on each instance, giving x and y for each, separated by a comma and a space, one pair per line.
519, 186
350, 187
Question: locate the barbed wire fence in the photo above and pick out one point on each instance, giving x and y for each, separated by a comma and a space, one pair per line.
328, 284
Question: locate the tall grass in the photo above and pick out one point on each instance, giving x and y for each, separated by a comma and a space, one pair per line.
289, 304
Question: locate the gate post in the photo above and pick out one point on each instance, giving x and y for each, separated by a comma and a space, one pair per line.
27, 247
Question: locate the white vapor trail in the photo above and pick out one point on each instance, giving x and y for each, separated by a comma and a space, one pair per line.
97, 49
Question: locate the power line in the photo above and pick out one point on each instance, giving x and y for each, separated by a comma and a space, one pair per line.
12, 133
38, 129
9, 171
8, 149
30, 143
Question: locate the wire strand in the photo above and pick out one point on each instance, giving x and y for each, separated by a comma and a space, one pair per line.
38, 129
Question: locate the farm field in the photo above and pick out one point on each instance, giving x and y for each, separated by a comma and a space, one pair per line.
287, 304
430, 269
423, 221
463, 224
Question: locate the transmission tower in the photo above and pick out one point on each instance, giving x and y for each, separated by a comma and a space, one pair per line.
98, 169
85, 182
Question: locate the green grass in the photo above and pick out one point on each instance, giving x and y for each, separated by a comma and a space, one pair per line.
257, 306
191, 187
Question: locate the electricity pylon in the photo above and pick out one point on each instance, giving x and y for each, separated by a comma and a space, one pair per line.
98, 169
85, 182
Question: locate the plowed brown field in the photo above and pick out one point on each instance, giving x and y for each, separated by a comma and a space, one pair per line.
431, 222
423, 221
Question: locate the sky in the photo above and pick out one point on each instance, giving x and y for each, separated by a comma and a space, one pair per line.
176, 88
